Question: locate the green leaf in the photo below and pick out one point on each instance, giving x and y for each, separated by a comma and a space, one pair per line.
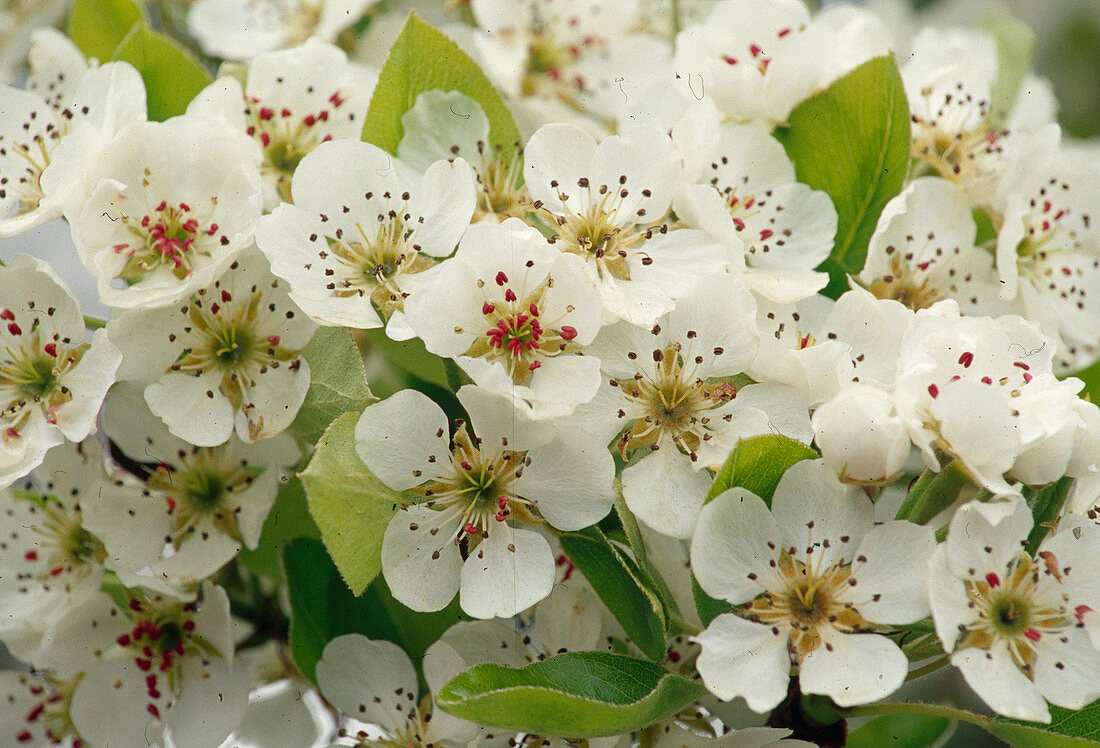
1046, 506
1091, 377
350, 506
758, 463
172, 74
706, 606
289, 518
423, 59
97, 27
852, 141
322, 608
899, 731
619, 583
411, 356
575, 694
1067, 729
338, 382
1015, 49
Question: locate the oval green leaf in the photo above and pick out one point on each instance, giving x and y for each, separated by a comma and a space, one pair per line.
757, 464
289, 518
621, 586
423, 59
338, 382
852, 141
350, 506
1067, 729
97, 27
172, 74
574, 695
899, 731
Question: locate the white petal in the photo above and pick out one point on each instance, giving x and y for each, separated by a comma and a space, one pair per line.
996, 679
820, 517
665, 492
510, 571
891, 569
193, 408
745, 659
403, 440
734, 544
975, 546
211, 703
1067, 672
421, 569
367, 680
571, 481
951, 608
853, 668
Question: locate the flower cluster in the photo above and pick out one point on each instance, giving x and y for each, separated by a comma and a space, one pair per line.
547, 340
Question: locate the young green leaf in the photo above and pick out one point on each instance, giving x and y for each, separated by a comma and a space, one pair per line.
172, 74
852, 141
899, 731
411, 357
423, 59
289, 518
349, 505
1068, 728
575, 695
706, 606
338, 382
758, 463
97, 27
619, 583
1046, 507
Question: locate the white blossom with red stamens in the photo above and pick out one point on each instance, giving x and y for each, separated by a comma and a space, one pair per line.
981, 390
224, 360
812, 579
607, 204
667, 391
166, 668
36, 711
171, 204
1048, 250
293, 101
243, 29
65, 101
1021, 627
923, 251
478, 490
361, 228
514, 313
51, 381
749, 199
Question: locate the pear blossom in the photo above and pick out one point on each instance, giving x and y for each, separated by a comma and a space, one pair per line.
860, 437
475, 486
753, 204
294, 100
923, 251
51, 381
1019, 626
444, 125
1048, 250
667, 391
515, 314
243, 29
36, 711
607, 203
65, 101
157, 665
812, 579
361, 228
226, 359
171, 205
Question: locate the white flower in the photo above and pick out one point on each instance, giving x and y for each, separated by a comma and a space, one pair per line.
36, 710
812, 578
293, 101
361, 227
171, 204
63, 98
156, 665
445, 125
243, 29
1048, 249
226, 359
754, 205
923, 251
1020, 628
514, 313
607, 203
51, 382
462, 537
860, 437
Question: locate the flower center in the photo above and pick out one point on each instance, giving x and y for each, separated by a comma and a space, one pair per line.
164, 238
500, 183
906, 284
65, 545
954, 139
31, 375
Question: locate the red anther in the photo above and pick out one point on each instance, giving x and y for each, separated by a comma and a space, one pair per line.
1065, 270
755, 50
160, 208
991, 138
36, 689
309, 120
750, 202
147, 650
487, 308
30, 556
501, 515
14, 329
36, 712
226, 297
1021, 365
142, 663
136, 606
673, 656
993, 580
466, 466
250, 130
120, 247
214, 308
533, 309
567, 332
923, 265
51, 349
150, 681
123, 640
766, 234
729, 60
323, 115
502, 501
24, 737
266, 113
501, 278
470, 528
185, 207
152, 709
265, 139
739, 224
188, 626
966, 359
1046, 206
1080, 612
1027, 377
509, 295
534, 365
783, 32
7, 314
933, 390
55, 571
212, 230
171, 503
1033, 633
336, 99
987, 380
11, 433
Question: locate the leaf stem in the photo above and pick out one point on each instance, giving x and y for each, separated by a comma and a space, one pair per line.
916, 707
929, 668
